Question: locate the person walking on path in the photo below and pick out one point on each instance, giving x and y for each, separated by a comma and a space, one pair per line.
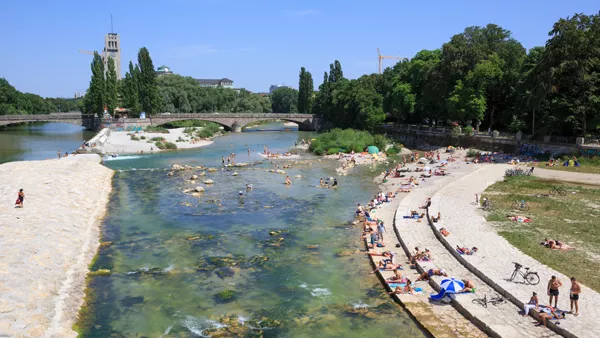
575, 291
553, 285
380, 229
20, 198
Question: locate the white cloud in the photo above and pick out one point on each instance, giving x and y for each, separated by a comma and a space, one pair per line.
303, 12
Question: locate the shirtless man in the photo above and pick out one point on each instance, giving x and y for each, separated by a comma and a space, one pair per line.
575, 291
430, 273
469, 286
553, 285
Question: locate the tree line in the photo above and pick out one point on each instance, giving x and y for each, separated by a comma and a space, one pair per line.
13, 102
482, 77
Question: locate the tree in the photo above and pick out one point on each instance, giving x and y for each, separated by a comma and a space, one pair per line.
111, 86
130, 92
305, 92
95, 97
149, 97
285, 101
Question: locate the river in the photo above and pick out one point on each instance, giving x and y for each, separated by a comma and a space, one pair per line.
39, 141
266, 264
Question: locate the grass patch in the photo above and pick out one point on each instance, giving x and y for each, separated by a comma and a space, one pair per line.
134, 137
571, 219
589, 165
208, 130
345, 141
156, 129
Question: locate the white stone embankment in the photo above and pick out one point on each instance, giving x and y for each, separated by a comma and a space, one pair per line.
45, 247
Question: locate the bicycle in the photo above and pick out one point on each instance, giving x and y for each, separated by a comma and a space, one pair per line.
484, 301
522, 205
529, 276
558, 190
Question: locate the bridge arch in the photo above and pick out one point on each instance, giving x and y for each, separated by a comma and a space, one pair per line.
199, 118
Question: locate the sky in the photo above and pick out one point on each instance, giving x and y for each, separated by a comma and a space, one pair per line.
255, 43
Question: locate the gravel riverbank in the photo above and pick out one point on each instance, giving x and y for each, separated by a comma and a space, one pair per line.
48, 244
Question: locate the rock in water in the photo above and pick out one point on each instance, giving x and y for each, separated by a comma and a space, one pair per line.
176, 167
209, 182
234, 173
194, 177
199, 189
298, 176
202, 173
170, 173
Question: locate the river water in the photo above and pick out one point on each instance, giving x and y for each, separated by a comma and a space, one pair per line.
266, 264
39, 141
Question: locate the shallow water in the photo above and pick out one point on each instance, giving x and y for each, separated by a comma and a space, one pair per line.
164, 284
39, 141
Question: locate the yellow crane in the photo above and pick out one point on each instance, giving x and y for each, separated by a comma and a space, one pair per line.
381, 57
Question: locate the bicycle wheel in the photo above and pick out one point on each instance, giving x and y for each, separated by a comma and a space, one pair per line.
526, 207
532, 278
515, 205
480, 301
562, 192
553, 191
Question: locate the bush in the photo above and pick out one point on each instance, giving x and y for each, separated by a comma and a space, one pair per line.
346, 140
468, 130
159, 145
189, 130
456, 131
134, 138
153, 129
142, 137
473, 153
170, 145
332, 151
158, 138
209, 130
394, 149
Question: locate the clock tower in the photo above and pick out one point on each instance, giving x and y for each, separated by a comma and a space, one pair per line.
112, 49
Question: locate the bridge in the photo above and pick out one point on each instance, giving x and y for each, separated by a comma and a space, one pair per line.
231, 121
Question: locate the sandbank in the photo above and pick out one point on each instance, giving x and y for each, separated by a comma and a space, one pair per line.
48, 244
120, 142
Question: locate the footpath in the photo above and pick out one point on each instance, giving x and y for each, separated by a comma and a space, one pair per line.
502, 320
441, 320
494, 260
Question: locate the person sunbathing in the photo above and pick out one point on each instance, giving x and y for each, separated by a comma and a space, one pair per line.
469, 286
403, 190
406, 289
444, 232
430, 273
555, 244
421, 256
397, 277
549, 312
466, 251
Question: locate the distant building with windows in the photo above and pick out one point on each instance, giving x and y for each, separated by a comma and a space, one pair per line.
275, 87
164, 70
224, 82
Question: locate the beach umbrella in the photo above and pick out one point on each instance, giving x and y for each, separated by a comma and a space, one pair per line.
373, 150
452, 285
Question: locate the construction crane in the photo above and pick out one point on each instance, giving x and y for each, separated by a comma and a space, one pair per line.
102, 55
381, 57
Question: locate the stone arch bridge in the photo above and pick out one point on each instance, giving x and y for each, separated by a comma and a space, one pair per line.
231, 121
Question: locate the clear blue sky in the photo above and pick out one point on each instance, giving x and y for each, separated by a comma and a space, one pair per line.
255, 43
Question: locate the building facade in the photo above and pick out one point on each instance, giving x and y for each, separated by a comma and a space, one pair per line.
224, 82
275, 87
112, 49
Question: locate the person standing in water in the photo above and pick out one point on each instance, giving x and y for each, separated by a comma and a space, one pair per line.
287, 180
59, 154
20, 198
334, 183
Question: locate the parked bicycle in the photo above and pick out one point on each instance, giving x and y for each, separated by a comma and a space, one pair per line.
514, 172
558, 190
485, 301
529, 276
521, 205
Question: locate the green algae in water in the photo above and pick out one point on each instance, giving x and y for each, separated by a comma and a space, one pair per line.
306, 291
226, 296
